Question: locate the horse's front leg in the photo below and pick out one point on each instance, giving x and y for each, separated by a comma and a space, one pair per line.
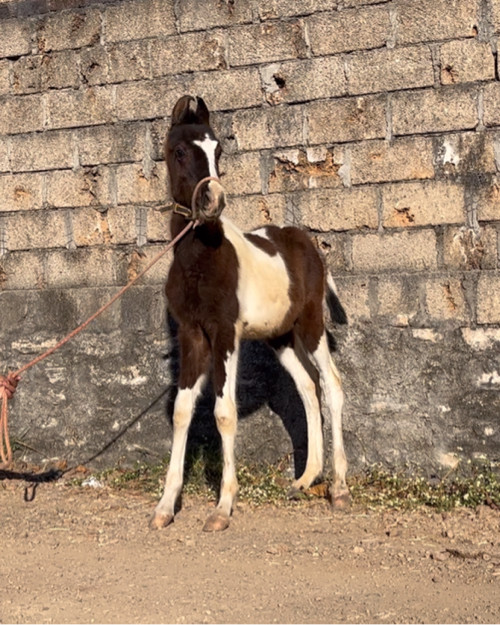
194, 360
225, 374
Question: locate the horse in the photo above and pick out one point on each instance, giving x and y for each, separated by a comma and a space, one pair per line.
224, 286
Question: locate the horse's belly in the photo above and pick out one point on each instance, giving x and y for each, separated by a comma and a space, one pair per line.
262, 314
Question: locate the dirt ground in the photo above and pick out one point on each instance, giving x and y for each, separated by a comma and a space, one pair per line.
84, 555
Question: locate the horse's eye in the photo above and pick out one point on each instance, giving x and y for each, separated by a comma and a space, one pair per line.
179, 153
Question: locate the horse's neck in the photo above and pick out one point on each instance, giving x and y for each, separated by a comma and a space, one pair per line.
209, 234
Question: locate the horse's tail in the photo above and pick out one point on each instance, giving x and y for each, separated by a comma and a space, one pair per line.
336, 309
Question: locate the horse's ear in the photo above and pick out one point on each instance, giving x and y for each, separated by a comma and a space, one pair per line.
202, 112
189, 110
183, 111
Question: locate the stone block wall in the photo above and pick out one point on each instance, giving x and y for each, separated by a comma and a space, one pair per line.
375, 125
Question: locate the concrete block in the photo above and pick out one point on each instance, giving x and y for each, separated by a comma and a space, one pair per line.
269, 41
430, 20
402, 159
129, 61
307, 79
4, 154
60, 69
87, 301
295, 169
465, 154
495, 14
241, 173
344, 31
21, 271
466, 249
27, 74
491, 103
30, 230
68, 29
275, 9
85, 267
89, 227
82, 187
445, 299
94, 65
342, 209
38, 151
488, 297
253, 211
4, 77
334, 248
134, 187
149, 98
139, 19
397, 299
488, 208
411, 204
389, 70
21, 192
466, 61
86, 107
137, 261
15, 38
194, 52
354, 293
193, 15
268, 128
346, 119
116, 143
434, 111
121, 224
21, 114
227, 89
158, 225
398, 251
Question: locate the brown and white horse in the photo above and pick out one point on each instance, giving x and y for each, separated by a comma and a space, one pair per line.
225, 286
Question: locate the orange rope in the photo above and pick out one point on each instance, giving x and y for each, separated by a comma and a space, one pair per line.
9, 382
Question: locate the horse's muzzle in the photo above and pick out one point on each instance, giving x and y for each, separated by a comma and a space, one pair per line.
211, 201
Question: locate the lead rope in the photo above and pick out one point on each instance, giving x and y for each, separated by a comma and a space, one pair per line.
9, 382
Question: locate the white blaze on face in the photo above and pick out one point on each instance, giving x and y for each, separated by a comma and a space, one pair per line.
209, 145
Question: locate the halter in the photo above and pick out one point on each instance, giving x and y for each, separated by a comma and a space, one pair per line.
189, 213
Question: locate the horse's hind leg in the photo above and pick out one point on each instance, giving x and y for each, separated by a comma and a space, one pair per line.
307, 390
334, 398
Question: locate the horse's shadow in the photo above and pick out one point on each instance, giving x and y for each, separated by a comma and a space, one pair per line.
262, 381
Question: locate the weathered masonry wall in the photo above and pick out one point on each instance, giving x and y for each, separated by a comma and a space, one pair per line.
373, 124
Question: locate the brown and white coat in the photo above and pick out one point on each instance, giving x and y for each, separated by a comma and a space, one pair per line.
225, 286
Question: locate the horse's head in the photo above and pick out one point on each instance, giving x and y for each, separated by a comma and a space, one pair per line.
192, 154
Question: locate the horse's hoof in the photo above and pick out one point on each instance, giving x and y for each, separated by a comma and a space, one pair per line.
342, 501
160, 520
216, 522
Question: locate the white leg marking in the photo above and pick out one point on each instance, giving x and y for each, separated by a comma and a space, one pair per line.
334, 397
307, 391
226, 418
183, 413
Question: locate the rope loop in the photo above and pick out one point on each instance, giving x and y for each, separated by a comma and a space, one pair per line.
8, 385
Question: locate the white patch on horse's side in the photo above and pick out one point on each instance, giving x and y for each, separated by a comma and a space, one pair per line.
261, 232
209, 145
263, 286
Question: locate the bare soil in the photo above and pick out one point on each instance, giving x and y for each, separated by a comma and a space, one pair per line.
83, 555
